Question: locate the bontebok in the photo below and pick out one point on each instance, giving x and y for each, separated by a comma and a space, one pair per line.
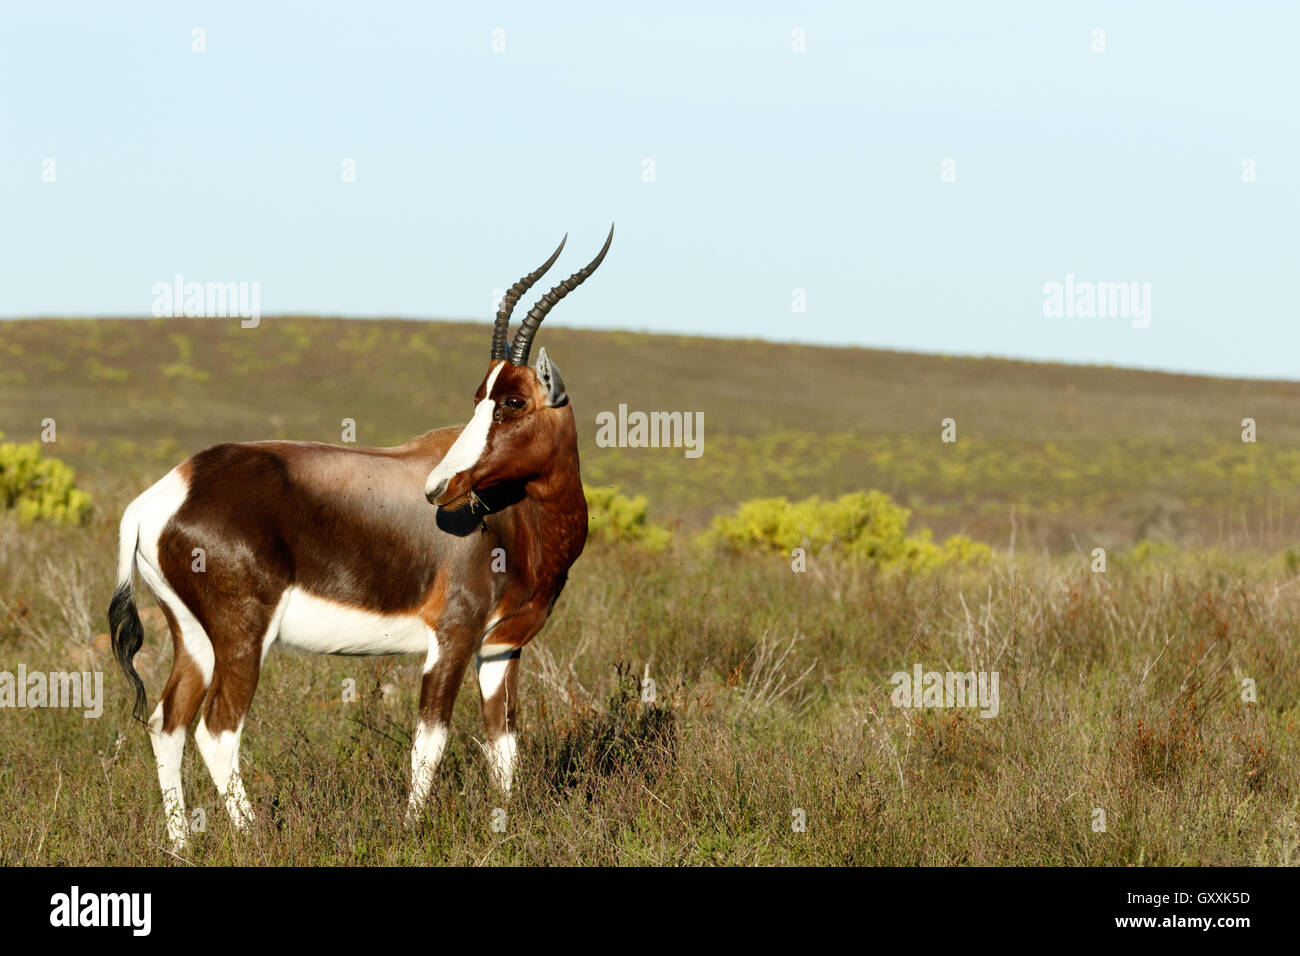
338, 551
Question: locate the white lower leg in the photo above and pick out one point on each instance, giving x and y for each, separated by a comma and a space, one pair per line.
494, 664
168, 749
426, 754
221, 753
502, 755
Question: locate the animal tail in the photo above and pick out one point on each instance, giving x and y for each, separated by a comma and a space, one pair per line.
123, 618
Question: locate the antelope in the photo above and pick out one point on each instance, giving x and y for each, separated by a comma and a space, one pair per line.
335, 550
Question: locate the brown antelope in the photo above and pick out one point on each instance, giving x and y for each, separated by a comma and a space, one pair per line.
336, 550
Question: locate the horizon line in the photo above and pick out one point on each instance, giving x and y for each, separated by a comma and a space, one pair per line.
801, 343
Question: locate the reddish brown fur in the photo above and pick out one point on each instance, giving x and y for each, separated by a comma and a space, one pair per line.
352, 525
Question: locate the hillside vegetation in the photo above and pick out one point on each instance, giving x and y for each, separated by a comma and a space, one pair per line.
1079, 452
1162, 691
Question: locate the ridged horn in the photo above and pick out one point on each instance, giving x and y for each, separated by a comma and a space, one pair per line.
501, 329
523, 342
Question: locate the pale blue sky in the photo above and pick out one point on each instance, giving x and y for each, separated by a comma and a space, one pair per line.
775, 170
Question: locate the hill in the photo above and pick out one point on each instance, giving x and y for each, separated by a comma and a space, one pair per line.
1146, 715
1082, 454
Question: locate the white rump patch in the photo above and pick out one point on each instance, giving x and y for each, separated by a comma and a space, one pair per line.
149, 514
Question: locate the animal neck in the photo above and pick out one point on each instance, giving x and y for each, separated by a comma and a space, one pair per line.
554, 515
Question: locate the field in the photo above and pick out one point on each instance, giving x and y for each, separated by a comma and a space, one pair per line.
1147, 713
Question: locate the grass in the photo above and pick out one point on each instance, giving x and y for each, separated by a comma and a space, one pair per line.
1120, 691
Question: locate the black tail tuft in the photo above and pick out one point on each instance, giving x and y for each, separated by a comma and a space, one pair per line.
128, 636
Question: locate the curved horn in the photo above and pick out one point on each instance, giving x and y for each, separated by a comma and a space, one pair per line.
523, 342
500, 330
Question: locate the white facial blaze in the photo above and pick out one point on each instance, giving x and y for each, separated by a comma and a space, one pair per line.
468, 447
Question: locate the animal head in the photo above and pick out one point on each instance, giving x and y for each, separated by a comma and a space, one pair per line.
522, 418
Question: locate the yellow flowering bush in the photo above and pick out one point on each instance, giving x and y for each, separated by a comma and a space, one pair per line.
862, 525
616, 518
39, 488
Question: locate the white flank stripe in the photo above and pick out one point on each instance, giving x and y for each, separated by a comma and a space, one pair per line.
314, 624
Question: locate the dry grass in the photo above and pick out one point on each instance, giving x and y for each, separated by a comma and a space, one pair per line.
1119, 691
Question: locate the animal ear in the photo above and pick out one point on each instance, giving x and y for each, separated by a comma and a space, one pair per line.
549, 375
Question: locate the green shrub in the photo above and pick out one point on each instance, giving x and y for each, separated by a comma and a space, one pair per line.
867, 526
959, 549
38, 488
616, 518
1149, 552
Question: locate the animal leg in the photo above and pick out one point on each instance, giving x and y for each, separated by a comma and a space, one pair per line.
444, 669
167, 728
498, 678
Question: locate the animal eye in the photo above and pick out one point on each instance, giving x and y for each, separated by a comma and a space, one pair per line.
515, 402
